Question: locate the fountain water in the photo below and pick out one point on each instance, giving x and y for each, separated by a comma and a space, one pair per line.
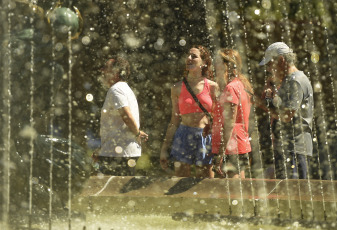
223, 200
27, 169
288, 38
255, 125
319, 102
6, 131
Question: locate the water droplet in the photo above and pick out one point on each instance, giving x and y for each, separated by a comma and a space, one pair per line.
59, 46
317, 87
233, 16
100, 175
131, 203
35, 180
118, 149
182, 42
257, 11
160, 41
86, 40
89, 97
132, 163
314, 57
157, 46
28, 132
177, 164
266, 4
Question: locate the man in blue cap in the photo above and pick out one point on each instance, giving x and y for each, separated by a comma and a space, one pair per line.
292, 107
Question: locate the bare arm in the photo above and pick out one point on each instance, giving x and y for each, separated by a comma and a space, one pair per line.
129, 120
172, 127
214, 90
229, 113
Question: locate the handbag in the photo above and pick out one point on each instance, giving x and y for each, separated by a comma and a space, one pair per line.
208, 128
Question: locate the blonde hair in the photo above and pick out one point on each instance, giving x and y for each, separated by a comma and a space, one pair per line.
231, 58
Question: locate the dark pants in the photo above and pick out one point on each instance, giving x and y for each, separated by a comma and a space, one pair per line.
117, 166
297, 166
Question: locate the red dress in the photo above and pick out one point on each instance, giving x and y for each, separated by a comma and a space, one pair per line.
239, 142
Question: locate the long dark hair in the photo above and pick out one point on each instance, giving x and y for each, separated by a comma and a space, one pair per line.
205, 55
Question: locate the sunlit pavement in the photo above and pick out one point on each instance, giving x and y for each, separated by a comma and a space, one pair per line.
255, 201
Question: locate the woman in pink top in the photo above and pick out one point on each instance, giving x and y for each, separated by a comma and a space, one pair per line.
230, 138
185, 132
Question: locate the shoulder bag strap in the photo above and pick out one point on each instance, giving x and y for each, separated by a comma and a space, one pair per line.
188, 87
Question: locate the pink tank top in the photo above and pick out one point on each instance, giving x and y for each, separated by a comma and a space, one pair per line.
188, 105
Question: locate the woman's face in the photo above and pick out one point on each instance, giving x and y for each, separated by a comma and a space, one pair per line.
194, 61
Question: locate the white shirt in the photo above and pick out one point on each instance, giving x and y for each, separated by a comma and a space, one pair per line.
116, 137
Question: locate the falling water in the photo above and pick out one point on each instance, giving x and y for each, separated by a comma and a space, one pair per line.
31, 121
266, 5
314, 134
210, 24
308, 179
333, 96
69, 125
286, 27
227, 16
51, 127
247, 52
327, 45
231, 16
289, 42
320, 103
6, 127
233, 25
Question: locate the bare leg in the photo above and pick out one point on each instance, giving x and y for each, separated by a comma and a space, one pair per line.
182, 169
242, 175
205, 171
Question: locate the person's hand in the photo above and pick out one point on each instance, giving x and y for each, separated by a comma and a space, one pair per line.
142, 136
218, 161
207, 130
268, 93
164, 159
95, 154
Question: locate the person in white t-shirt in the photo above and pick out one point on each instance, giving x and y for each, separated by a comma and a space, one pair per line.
119, 131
